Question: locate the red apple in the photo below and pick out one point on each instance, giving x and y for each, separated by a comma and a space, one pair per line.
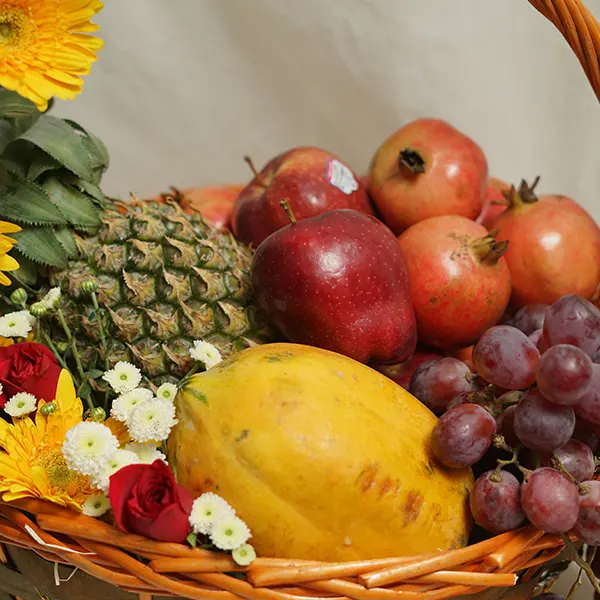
337, 281
427, 169
312, 180
494, 202
215, 203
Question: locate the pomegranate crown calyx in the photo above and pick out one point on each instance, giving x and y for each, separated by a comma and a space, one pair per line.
411, 160
488, 249
525, 194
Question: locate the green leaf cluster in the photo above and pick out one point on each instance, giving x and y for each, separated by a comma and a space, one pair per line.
50, 174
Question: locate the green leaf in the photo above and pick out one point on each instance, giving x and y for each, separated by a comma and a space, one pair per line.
62, 142
192, 539
14, 106
41, 162
66, 239
28, 272
41, 246
17, 157
22, 201
74, 205
95, 373
85, 186
98, 153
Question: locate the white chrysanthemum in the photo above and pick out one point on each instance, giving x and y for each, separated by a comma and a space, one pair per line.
123, 406
151, 421
147, 453
1, 389
207, 510
206, 353
52, 299
96, 505
244, 555
168, 391
21, 404
88, 448
229, 532
123, 377
16, 324
121, 458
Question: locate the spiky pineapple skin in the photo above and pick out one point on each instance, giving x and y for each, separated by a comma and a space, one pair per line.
165, 278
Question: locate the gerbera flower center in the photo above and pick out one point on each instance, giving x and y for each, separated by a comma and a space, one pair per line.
53, 462
16, 29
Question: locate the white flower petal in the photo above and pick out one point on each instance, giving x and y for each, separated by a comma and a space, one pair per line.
123, 377
123, 406
52, 299
16, 324
206, 353
96, 505
168, 391
229, 532
121, 458
151, 421
21, 404
207, 510
88, 448
147, 453
244, 554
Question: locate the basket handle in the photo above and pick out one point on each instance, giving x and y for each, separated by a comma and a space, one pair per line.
580, 29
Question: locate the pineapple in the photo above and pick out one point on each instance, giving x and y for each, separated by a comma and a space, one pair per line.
165, 278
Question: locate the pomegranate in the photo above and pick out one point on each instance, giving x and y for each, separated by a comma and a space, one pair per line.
459, 280
554, 247
494, 202
427, 169
402, 372
214, 203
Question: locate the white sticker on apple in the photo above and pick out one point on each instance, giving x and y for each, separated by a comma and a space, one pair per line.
340, 176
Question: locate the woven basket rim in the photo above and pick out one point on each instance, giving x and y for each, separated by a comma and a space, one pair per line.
60, 535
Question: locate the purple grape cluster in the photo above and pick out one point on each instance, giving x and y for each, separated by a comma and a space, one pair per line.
535, 394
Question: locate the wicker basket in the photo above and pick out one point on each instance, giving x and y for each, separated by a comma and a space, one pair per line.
52, 553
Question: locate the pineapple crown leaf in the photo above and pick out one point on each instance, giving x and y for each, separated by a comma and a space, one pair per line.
41, 246
50, 171
63, 143
71, 203
24, 202
14, 106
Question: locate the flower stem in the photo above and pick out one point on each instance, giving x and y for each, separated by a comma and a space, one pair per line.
52, 347
71, 341
103, 344
587, 569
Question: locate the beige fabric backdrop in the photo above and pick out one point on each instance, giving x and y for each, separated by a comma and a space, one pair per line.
184, 88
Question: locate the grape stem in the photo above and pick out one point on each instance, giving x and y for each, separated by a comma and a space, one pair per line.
499, 442
557, 464
587, 569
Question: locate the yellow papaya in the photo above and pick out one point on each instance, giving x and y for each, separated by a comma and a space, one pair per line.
323, 457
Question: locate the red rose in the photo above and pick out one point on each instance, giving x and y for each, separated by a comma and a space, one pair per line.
147, 500
28, 367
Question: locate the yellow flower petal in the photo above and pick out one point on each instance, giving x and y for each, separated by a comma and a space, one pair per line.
8, 263
37, 36
6, 227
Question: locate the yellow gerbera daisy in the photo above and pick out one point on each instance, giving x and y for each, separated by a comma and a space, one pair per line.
32, 464
7, 263
43, 49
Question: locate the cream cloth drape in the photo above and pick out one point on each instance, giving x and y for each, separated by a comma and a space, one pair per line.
184, 88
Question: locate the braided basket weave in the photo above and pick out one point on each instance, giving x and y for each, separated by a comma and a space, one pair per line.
38, 539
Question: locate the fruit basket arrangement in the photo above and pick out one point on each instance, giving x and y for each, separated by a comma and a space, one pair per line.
315, 385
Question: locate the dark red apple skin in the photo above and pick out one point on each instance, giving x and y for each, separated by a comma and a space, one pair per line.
338, 281
300, 177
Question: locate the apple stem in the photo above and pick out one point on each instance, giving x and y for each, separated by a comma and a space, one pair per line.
288, 210
488, 249
412, 160
253, 168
